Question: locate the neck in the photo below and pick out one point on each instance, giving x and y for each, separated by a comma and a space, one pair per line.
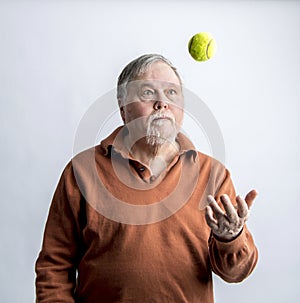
156, 157
149, 151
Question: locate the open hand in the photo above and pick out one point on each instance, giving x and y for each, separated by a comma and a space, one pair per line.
226, 225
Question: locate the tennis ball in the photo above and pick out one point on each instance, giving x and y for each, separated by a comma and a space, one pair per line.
202, 46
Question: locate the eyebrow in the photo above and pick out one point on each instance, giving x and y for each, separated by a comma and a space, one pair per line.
150, 83
147, 84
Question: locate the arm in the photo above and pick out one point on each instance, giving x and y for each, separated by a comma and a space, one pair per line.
58, 259
232, 250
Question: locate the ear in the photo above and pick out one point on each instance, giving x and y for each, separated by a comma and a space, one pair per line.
122, 112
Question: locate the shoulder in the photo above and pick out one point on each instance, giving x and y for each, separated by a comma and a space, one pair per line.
207, 160
212, 167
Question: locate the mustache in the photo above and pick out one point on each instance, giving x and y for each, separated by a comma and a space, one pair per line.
161, 115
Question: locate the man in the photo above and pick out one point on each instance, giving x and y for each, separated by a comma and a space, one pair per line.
144, 217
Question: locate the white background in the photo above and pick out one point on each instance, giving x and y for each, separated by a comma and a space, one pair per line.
58, 57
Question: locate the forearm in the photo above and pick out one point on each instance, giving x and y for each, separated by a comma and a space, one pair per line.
235, 260
56, 264
54, 282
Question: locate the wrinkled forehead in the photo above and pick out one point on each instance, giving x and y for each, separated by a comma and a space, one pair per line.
154, 84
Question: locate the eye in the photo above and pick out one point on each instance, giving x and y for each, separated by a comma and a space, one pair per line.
172, 94
147, 93
172, 91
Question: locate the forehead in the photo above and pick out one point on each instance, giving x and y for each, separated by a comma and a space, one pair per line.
138, 85
160, 72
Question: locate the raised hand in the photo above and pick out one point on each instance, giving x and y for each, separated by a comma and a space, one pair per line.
228, 223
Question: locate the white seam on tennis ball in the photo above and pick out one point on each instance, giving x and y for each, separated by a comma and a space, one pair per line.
208, 45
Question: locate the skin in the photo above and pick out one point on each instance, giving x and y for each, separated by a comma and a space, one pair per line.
227, 224
153, 93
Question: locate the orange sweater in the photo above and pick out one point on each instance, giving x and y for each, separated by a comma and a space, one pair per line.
114, 234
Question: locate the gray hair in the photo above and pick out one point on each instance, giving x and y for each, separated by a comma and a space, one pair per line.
136, 68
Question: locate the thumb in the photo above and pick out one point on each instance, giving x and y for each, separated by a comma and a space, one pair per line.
250, 197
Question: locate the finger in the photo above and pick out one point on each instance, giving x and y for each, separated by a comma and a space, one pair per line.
242, 207
229, 208
250, 197
217, 210
210, 220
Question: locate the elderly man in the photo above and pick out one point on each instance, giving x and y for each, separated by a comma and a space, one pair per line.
144, 217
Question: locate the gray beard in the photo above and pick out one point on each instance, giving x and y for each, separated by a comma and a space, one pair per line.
157, 133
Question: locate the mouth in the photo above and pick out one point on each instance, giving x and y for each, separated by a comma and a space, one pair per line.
162, 118
162, 121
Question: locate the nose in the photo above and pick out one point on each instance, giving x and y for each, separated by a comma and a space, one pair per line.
158, 105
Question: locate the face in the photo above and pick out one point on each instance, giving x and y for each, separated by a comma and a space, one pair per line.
153, 105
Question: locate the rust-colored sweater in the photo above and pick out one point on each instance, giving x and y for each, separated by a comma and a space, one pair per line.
116, 234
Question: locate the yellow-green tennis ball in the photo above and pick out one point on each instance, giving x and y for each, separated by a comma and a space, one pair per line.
202, 46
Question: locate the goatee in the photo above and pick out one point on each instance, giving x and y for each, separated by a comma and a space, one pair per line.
160, 129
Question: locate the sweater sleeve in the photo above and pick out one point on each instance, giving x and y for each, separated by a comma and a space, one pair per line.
57, 262
233, 261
